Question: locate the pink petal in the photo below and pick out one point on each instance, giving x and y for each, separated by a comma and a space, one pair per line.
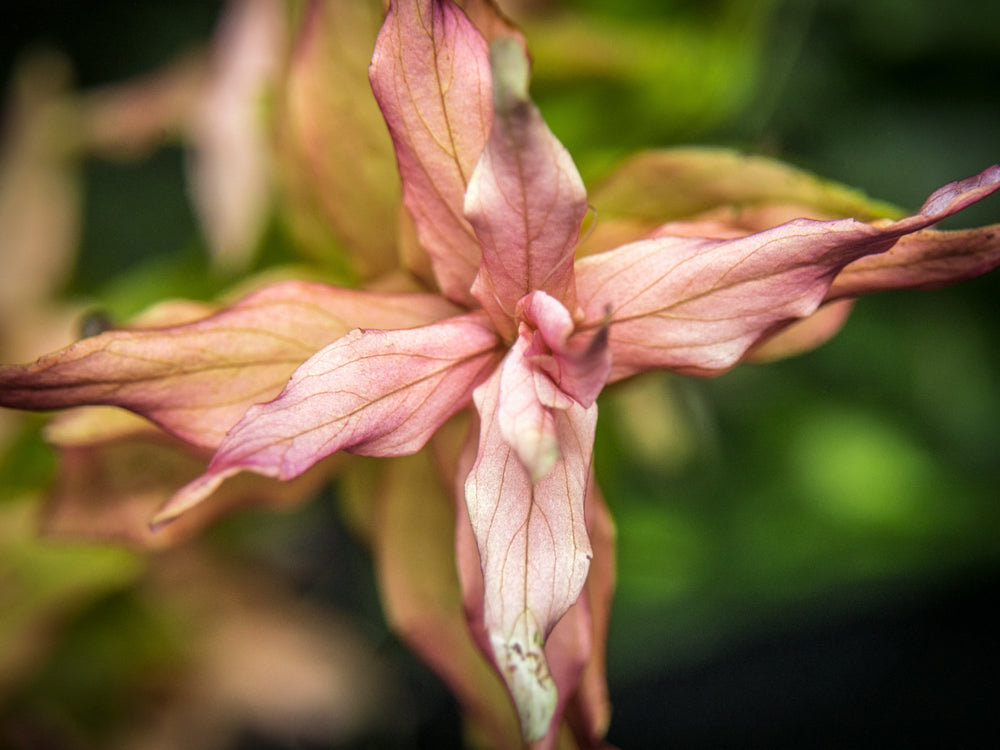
525, 200
533, 548
430, 74
697, 305
575, 648
196, 380
377, 393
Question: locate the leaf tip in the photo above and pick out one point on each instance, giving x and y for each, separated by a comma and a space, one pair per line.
521, 660
187, 497
511, 72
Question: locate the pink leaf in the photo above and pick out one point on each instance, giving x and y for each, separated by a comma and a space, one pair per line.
697, 305
805, 334
525, 200
526, 423
196, 380
924, 260
579, 367
430, 74
533, 548
229, 171
377, 393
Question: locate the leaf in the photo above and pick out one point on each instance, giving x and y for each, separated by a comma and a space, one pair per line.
333, 153
697, 305
667, 185
230, 169
431, 78
923, 260
533, 548
412, 536
109, 491
805, 334
525, 200
376, 393
196, 380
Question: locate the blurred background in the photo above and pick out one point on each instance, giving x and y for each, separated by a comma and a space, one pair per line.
808, 550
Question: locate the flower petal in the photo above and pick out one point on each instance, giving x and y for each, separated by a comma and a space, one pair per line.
533, 548
525, 200
575, 649
196, 380
697, 305
377, 393
430, 74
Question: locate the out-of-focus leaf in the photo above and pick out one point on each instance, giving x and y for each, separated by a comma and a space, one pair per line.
662, 186
112, 490
44, 584
230, 168
336, 169
411, 526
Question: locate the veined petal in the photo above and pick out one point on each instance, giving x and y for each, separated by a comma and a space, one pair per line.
196, 380
533, 548
697, 305
430, 74
376, 393
525, 200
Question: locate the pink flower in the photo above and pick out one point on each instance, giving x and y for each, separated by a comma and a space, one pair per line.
520, 329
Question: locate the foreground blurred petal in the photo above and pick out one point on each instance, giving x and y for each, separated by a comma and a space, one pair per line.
377, 393
697, 305
430, 74
196, 380
533, 548
525, 199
